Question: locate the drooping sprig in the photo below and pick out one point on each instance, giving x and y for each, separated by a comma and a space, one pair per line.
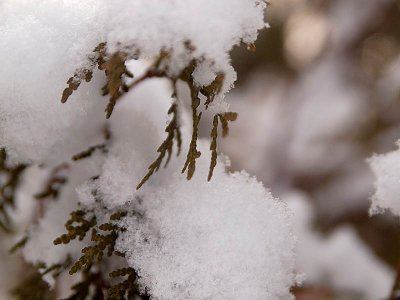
225, 118
77, 227
173, 133
103, 238
117, 73
126, 289
95, 59
90, 264
114, 69
54, 183
91, 286
100, 147
9, 181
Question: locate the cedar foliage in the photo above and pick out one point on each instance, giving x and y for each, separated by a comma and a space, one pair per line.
92, 286
54, 183
82, 222
9, 181
76, 231
103, 238
116, 72
126, 288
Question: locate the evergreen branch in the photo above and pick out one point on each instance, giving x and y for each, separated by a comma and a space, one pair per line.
118, 215
193, 153
102, 242
18, 245
55, 269
173, 132
76, 231
115, 71
210, 91
154, 71
92, 286
88, 152
225, 119
10, 180
127, 288
84, 74
213, 147
102, 147
54, 183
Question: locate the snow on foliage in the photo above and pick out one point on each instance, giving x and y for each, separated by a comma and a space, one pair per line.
197, 241
387, 178
47, 41
224, 239
186, 239
193, 239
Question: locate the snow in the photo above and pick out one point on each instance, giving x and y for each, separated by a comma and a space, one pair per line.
197, 239
224, 239
45, 42
200, 240
387, 182
50, 225
40, 44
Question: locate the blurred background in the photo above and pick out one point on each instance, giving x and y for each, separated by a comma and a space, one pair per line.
317, 98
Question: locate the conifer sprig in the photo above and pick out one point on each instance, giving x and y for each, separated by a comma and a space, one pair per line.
101, 147
173, 133
77, 227
18, 245
92, 286
102, 242
225, 118
54, 184
115, 70
89, 151
9, 181
127, 288
96, 58
114, 67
